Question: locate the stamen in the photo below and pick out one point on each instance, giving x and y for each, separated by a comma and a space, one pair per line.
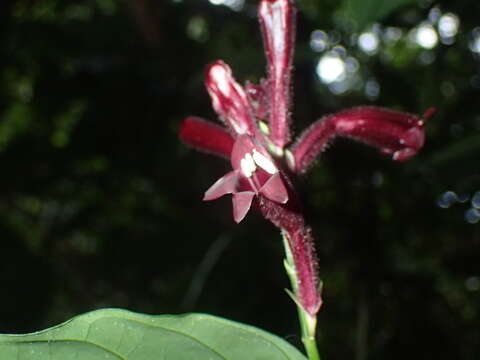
247, 164
274, 149
290, 159
265, 163
264, 128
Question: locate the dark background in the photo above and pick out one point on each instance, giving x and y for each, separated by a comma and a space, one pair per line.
100, 204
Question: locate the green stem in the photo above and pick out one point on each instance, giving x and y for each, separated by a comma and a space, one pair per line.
308, 323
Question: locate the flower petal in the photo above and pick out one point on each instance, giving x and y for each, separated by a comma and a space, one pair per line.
243, 145
225, 185
274, 189
242, 202
206, 136
277, 20
229, 98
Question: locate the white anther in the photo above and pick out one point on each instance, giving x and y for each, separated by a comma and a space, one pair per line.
290, 159
247, 164
264, 128
274, 149
264, 162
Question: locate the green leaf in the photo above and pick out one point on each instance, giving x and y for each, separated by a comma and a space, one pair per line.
113, 334
361, 13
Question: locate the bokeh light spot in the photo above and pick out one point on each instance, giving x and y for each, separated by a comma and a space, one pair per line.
472, 216
447, 199
236, 5
368, 42
318, 40
331, 68
426, 36
448, 25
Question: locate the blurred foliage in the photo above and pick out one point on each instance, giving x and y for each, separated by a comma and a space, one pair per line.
100, 205
361, 13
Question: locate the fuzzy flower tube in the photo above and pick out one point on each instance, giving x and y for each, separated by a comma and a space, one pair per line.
256, 137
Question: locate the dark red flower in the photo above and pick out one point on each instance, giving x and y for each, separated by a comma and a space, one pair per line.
254, 170
394, 133
257, 139
254, 173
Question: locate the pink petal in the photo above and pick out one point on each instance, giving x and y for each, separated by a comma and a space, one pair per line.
404, 154
206, 136
277, 20
225, 185
274, 189
243, 145
229, 99
242, 202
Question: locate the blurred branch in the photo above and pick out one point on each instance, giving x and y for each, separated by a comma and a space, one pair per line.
203, 270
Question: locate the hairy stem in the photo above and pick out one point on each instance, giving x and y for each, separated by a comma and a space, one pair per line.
307, 321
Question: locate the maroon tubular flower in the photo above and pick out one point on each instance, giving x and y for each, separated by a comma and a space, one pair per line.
206, 136
277, 21
394, 133
229, 100
256, 138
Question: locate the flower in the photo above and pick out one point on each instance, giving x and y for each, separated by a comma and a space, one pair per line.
254, 170
254, 173
257, 139
395, 133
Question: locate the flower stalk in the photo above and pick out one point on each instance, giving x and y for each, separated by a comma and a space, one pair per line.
308, 322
